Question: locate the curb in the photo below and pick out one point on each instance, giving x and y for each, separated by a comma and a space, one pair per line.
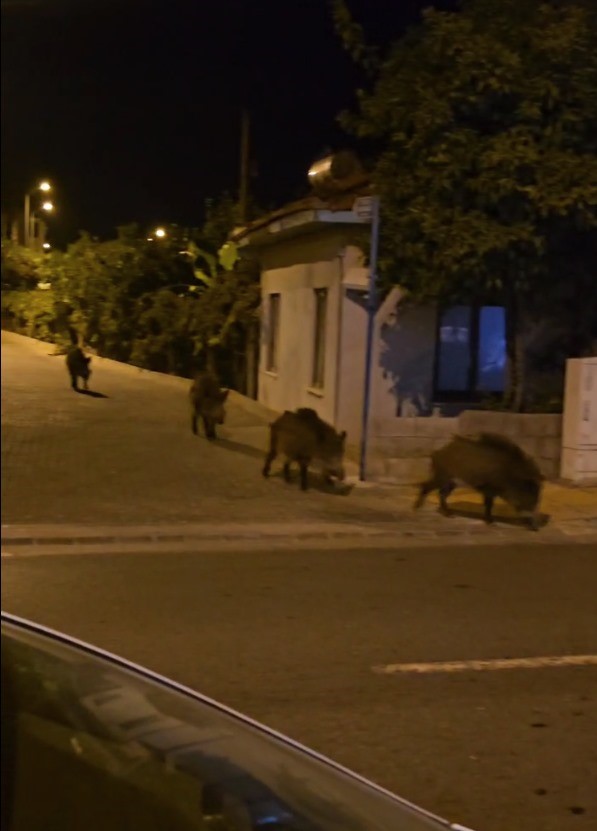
19, 538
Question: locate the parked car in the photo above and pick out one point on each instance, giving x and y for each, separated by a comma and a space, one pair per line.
91, 741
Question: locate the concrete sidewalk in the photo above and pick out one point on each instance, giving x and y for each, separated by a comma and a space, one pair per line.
129, 460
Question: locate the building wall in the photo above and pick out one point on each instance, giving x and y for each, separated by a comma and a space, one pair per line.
351, 368
401, 449
403, 359
289, 386
294, 268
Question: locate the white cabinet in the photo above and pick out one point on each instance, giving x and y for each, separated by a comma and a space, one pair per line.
579, 430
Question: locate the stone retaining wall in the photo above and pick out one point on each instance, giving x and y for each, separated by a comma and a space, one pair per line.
400, 448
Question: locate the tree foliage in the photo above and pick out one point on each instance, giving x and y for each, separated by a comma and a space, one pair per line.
485, 127
156, 304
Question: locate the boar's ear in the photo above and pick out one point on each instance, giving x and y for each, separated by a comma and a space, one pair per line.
224, 394
88, 360
343, 435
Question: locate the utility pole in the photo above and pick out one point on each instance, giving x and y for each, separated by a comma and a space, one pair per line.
26, 219
243, 195
252, 336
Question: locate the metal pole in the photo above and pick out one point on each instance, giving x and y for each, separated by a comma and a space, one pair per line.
371, 309
26, 220
243, 196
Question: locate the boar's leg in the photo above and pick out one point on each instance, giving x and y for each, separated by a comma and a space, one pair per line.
73, 381
210, 428
286, 471
425, 489
444, 492
304, 467
488, 507
268, 463
194, 422
271, 454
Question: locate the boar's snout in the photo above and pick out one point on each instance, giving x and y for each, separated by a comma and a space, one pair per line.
335, 470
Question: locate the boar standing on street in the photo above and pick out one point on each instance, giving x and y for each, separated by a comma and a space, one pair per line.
77, 364
302, 437
494, 466
207, 403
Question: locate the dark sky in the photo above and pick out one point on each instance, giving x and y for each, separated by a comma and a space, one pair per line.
132, 107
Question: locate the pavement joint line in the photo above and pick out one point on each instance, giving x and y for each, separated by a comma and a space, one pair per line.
490, 664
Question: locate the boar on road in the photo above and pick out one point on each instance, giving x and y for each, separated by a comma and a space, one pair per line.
77, 364
492, 465
207, 403
303, 437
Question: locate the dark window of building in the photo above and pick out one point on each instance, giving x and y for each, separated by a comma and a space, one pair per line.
471, 352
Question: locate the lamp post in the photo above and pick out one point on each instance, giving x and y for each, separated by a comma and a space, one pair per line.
48, 207
44, 187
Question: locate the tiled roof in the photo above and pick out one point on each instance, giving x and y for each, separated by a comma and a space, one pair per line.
342, 201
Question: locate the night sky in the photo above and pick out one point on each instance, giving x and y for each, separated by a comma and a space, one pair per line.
132, 107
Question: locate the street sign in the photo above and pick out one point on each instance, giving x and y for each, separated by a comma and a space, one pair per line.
363, 207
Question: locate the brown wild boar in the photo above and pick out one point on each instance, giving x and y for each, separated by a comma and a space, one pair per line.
303, 437
207, 403
494, 466
77, 364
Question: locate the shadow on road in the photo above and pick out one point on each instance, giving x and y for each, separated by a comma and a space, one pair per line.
238, 447
92, 393
469, 510
316, 483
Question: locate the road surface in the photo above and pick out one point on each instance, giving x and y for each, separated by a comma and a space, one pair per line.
320, 644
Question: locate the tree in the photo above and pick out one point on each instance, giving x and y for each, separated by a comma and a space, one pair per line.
155, 303
484, 124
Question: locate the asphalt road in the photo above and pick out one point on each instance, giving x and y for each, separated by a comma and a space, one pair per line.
292, 638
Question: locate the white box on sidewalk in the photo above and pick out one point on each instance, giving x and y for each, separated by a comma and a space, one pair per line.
579, 425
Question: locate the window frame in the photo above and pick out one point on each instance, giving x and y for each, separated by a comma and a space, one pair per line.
320, 321
272, 346
470, 393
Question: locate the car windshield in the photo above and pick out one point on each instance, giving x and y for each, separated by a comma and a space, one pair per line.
103, 744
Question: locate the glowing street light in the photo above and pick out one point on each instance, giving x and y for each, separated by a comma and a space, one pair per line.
45, 186
160, 233
46, 246
48, 206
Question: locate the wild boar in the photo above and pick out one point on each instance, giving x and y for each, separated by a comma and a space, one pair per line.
77, 364
302, 437
494, 466
207, 403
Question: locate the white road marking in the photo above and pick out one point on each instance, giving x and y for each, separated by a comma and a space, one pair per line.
490, 664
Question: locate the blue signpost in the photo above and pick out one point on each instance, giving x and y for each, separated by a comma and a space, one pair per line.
367, 208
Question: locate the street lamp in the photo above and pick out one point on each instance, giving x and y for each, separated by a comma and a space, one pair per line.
45, 187
160, 233
35, 237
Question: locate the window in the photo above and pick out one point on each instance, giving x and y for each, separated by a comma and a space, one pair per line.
317, 376
273, 328
471, 352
